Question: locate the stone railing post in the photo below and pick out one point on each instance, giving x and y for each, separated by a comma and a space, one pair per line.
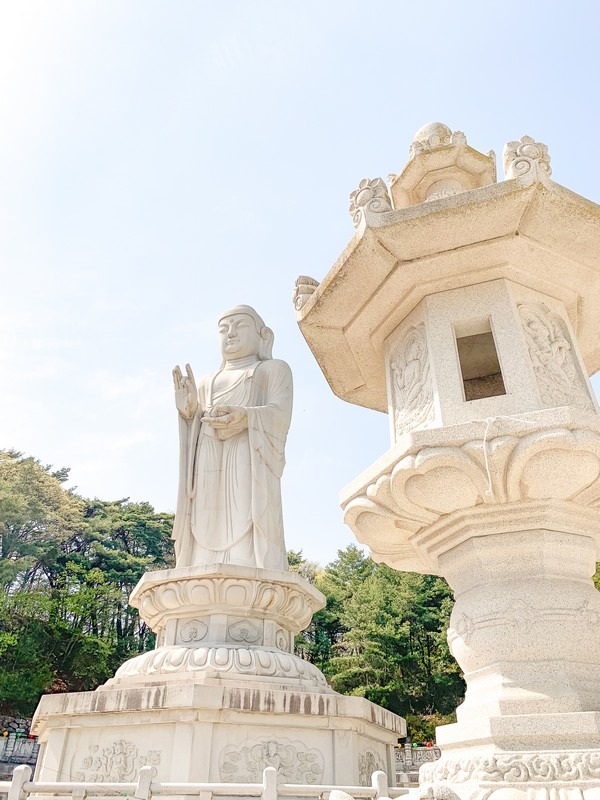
379, 782
269, 791
143, 790
21, 775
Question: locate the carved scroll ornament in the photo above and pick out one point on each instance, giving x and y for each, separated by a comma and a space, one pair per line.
517, 768
304, 289
525, 156
371, 196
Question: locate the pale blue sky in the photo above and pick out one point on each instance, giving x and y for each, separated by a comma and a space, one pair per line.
161, 161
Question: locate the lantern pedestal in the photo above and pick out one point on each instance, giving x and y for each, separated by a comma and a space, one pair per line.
519, 559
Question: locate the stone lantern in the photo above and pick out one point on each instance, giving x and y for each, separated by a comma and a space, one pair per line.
468, 309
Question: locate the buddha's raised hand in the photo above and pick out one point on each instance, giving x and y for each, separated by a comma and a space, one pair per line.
186, 392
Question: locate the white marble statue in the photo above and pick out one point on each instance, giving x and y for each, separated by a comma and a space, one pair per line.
232, 432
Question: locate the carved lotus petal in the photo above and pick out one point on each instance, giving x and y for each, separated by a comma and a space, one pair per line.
401, 473
380, 493
386, 533
160, 657
199, 656
378, 527
264, 659
221, 656
558, 463
169, 598
200, 594
147, 606
269, 597
244, 661
236, 595
285, 663
438, 481
559, 473
442, 490
175, 659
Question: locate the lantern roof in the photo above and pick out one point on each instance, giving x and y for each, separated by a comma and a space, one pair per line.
527, 229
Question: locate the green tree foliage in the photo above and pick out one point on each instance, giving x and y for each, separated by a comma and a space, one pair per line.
297, 563
338, 582
382, 635
37, 516
67, 567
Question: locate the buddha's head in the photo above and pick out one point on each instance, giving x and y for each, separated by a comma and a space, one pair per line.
243, 333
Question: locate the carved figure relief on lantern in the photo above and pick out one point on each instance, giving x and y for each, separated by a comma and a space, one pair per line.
409, 380
558, 373
458, 357
469, 364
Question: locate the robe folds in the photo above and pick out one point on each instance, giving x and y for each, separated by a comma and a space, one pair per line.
229, 499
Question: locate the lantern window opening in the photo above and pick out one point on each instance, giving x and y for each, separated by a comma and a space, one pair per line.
478, 359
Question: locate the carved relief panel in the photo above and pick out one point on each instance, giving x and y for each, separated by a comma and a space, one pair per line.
294, 762
369, 762
245, 631
119, 761
555, 363
283, 640
410, 388
191, 630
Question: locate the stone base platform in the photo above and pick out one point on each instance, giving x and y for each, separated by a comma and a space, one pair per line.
201, 733
221, 697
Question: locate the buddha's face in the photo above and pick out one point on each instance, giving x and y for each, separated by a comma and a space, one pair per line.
239, 337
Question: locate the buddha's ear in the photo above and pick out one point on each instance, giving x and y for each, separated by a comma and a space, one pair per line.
266, 346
